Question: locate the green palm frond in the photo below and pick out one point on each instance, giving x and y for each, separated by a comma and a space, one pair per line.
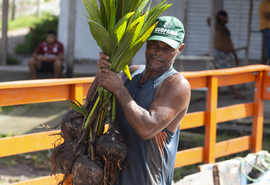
120, 28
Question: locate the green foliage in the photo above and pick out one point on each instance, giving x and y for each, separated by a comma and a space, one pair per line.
6, 109
11, 60
21, 22
37, 34
120, 27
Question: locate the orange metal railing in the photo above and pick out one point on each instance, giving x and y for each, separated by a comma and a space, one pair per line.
36, 91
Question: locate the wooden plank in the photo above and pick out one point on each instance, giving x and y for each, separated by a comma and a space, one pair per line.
232, 146
27, 143
188, 157
210, 125
76, 92
197, 82
229, 71
257, 126
192, 120
34, 95
234, 79
234, 112
266, 85
85, 89
45, 82
47, 180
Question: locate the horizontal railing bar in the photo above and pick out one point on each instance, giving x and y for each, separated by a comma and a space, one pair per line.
234, 79
234, 112
28, 143
68, 81
45, 82
20, 96
47, 180
189, 156
192, 120
229, 71
197, 82
232, 146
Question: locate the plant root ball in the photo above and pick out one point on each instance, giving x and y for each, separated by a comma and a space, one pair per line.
70, 123
111, 145
87, 172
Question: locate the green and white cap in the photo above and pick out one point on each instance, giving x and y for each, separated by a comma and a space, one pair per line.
169, 30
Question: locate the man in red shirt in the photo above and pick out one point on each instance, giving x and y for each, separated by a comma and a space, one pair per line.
48, 56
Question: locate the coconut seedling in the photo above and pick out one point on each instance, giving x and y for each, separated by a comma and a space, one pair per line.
120, 28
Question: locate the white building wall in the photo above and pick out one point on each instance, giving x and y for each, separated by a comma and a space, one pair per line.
197, 30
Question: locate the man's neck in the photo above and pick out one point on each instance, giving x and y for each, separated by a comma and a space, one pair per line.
150, 74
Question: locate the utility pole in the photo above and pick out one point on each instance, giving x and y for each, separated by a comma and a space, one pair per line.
14, 7
71, 38
38, 9
212, 32
4, 43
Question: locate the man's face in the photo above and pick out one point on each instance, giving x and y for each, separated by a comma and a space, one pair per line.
223, 19
160, 56
51, 38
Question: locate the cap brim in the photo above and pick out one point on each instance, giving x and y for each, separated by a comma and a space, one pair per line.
174, 44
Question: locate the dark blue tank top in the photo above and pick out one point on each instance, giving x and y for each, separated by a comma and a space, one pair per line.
148, 162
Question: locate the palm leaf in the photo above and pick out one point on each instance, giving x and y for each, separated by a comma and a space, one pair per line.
101, 35
77, 108
127, 72
92, 10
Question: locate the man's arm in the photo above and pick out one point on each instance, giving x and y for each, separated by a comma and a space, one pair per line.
168, 108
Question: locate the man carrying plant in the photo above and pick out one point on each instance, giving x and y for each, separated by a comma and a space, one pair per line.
152, 106
48, 56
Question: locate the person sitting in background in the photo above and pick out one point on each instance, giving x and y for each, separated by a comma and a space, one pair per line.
47, 57
224, 51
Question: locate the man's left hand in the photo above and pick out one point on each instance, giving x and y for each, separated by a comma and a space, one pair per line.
110, 80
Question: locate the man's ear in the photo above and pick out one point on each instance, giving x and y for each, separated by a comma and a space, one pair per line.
181, 47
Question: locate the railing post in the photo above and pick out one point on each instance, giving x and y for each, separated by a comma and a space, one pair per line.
257, 126
210, 126
76, 92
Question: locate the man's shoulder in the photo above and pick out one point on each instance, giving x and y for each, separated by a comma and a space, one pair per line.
176, 81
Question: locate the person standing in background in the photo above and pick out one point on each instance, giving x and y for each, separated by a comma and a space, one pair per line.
264, 16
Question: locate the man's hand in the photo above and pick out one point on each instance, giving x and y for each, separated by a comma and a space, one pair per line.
103, 61
110, 80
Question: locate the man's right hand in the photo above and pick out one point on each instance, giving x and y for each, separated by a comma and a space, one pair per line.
103, 61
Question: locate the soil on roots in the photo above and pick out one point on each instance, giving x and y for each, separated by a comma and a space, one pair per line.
111, 148
64, 157
86, 172
111, 145
70, 124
